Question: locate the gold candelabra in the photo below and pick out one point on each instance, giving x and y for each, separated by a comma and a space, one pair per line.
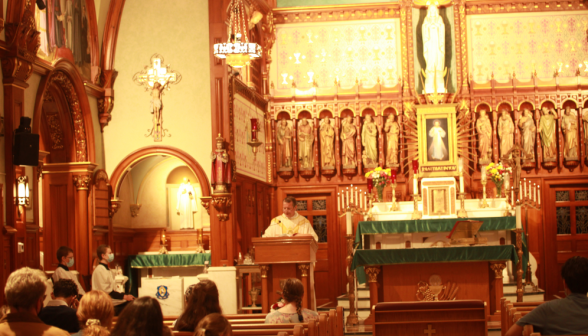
394, 206
416, 214
529, 200
484, 202
461, 213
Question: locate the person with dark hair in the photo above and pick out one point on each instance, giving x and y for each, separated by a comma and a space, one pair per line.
61, 311
292, 311
214, 325
24, 292
568, 316
141, 317
65, 259
103, 279
290, 222
202, 301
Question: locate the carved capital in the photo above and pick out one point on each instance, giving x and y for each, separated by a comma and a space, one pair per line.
114, 206
498, 268
105, 106
82, 182
372, 273
264, 269
304, 269
205, 201
23, 42
222, 203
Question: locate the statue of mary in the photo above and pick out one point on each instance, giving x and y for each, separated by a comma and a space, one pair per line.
434, 49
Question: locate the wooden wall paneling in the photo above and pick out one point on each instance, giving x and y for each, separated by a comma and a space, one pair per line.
148, 240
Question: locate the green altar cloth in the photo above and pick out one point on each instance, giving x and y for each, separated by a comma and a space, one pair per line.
161, 260
429, 225
434, 254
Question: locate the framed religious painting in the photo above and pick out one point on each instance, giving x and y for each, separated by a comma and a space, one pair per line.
437, 134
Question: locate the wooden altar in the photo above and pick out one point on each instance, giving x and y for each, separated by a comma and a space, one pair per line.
282, 258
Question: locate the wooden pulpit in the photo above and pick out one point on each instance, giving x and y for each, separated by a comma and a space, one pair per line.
281, 258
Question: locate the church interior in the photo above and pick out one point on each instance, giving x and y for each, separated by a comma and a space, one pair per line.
438, 150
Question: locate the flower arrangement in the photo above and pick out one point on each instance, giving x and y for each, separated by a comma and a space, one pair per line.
379, 178
497, 173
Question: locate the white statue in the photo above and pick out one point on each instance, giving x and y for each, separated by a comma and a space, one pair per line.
434, 49
186, 204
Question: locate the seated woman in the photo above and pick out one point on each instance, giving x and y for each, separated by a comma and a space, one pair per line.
95, 314
141, 317
292, 312
214, 325
202, 301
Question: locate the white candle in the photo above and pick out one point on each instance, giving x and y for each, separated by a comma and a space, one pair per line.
347, 195
483, 176
518, 217
338, 202
512, 195
538, 195
535, 192
415, 184
461, 188
349, 223
365, 201
524, 188
351, 202
360, 200
356, 196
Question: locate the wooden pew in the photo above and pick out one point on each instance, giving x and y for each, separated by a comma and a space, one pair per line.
508, 310
297, 330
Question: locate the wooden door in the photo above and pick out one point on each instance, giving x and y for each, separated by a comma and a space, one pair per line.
317, 210
566, 230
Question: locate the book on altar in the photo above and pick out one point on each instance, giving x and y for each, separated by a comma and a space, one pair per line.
464, 233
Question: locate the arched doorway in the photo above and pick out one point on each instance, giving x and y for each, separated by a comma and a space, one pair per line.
62, 117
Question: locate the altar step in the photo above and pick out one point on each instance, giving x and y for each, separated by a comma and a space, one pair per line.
510, 292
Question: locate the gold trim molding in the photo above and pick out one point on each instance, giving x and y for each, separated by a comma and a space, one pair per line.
501, 7
336, 13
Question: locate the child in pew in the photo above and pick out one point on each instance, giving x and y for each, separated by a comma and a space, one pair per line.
141, 317
214, 325
292, 312
203, 301
568, 316
95, 314
187, 295
60, 312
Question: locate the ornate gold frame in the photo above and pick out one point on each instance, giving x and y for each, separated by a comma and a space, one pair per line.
437, 168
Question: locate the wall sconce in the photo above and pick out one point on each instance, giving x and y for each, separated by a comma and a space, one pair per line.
254, 143
22, 191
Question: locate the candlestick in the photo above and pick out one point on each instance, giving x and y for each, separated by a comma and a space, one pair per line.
356, 196
394, 206
351, 194
338, 202
538, 195
416, 214
360, 199
365, 201
534, 192
349, 222
512, 195
524, 187
530, 190
347, 195
461, 213
484, 202
518, 216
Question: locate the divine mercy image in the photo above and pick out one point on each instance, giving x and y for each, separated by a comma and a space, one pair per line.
437, 142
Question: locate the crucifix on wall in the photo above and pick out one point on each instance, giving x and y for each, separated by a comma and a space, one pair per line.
156, 78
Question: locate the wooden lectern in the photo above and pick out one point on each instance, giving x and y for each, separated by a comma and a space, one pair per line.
281, 258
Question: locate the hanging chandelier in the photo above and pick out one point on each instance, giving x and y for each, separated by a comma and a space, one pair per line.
235, 51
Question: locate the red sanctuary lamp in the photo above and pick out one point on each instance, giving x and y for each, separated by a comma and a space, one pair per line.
254, 143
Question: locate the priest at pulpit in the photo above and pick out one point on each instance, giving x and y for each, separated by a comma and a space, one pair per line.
290, 222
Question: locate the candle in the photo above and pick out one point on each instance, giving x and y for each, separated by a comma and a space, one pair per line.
524, 188
360, 200
347, 195
538, 196
351, 194
511, 195
530, 191
483, 176
518, 217
356, 196
338, 202
460, 165
365, 201
415, 184
535, 192
349, 223
461, 188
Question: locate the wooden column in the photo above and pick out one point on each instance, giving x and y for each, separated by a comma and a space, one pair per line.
82, 184
496, 284
372, 273
304, 278
264, 289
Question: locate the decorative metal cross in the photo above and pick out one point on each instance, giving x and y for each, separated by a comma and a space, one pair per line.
430, 331
156, 78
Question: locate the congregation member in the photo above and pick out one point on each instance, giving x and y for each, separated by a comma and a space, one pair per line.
568, 316
292, 311
25, 292
141, 317
103, 280
203, 301
95, 314
214, 325
290, 222
61, 311
65, 258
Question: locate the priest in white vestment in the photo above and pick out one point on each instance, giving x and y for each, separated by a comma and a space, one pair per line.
290, 222
186, 204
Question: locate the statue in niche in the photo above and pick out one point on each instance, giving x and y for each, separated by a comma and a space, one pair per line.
369, 140
547, 132
392, 132
434, 50
585, 121
327, 137
484, 128
348, 132
222, 172
285, 145
569, 127
506, 133
305, 145
186, 206
529, 132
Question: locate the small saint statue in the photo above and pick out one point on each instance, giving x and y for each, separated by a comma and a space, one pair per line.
221, 168
433, 31
506, 133
547, 127
348, 132
284, 145
327, 133
569, 127
392, 132
186, 206
484, 128
305, 145
369, 140
529, 133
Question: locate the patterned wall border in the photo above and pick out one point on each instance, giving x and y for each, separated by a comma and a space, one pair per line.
502, 7
336, 13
